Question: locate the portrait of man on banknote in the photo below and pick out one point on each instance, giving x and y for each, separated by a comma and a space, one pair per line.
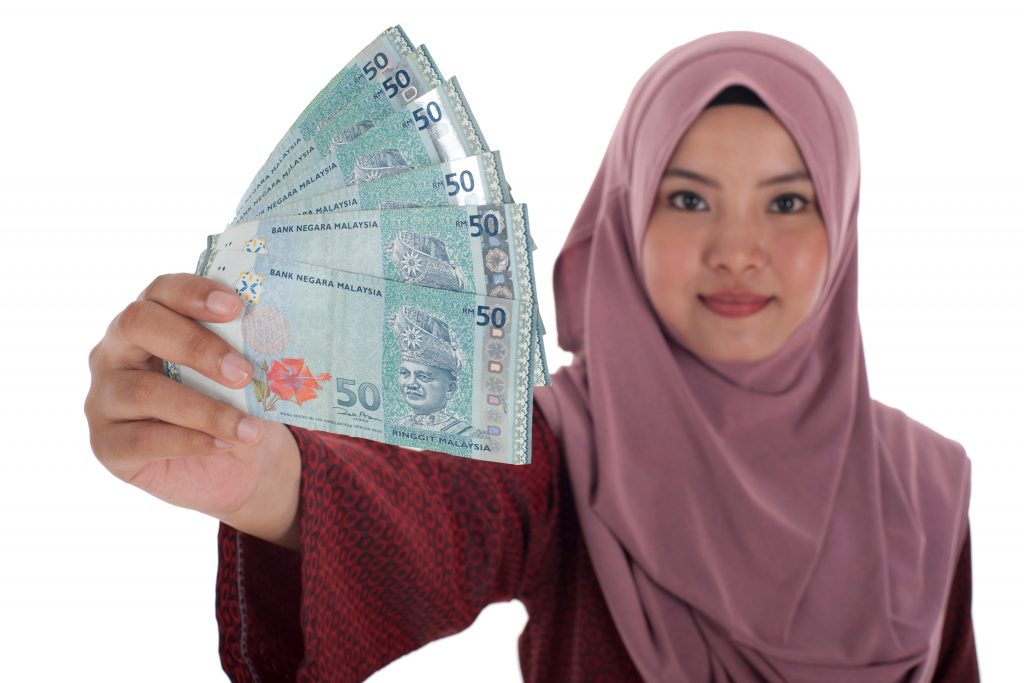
429, 375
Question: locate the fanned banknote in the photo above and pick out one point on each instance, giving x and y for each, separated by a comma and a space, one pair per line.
377, 62
435, 127
369, 107
386, 270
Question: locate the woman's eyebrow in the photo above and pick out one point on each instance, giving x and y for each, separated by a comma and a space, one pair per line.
693, 175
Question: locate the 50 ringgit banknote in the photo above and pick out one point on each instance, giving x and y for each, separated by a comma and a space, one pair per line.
380, 359
387, 272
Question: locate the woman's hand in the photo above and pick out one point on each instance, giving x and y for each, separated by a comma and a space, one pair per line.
174, 442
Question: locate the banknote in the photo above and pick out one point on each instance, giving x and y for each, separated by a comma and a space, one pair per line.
483, 249
378, 61
359, 355
437, 126
477, 179
415, 74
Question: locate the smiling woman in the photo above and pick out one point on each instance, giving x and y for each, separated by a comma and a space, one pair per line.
755, 528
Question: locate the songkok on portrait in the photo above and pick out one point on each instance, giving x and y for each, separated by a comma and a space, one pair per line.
427, 340
424, 260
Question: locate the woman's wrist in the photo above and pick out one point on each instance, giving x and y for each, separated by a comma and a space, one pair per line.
272, 513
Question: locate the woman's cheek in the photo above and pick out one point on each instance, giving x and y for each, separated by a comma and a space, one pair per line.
802, 260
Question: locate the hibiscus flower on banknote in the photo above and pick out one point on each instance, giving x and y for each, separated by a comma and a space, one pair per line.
288, 379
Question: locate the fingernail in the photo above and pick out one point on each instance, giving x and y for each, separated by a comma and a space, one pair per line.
234, 368
248, 430
222, 444
221, 303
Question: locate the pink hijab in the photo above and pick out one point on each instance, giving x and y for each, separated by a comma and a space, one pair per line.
763, 521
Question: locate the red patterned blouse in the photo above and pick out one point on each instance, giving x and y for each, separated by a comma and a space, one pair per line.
403, 547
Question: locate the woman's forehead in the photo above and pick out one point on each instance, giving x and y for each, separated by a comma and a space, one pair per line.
737, 135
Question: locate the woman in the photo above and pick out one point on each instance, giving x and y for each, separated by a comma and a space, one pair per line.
714, 495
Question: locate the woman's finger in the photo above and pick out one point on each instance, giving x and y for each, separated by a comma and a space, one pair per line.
131, 395
194, 296
125, 448
147, 328
191, 296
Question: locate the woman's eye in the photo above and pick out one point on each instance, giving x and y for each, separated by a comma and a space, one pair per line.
687, 201
787, 202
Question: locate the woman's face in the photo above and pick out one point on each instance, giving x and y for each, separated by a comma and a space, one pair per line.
750, 223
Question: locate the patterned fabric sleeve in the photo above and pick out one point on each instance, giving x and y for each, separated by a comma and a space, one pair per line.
958, 657
399, 548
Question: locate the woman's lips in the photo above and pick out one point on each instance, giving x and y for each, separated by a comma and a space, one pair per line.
735, 309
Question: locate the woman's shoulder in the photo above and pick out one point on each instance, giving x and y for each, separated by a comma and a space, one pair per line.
896, 427
934, 467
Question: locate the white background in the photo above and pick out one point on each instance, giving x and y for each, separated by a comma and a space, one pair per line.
131, 130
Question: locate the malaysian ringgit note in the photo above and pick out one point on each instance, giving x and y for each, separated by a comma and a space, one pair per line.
415, 74
378, 61
353, 354
481, 249
435, 127
477, 179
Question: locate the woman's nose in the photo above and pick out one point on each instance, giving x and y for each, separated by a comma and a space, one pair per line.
737, 245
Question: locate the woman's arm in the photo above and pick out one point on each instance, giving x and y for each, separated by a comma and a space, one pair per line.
397, 548
958, 658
